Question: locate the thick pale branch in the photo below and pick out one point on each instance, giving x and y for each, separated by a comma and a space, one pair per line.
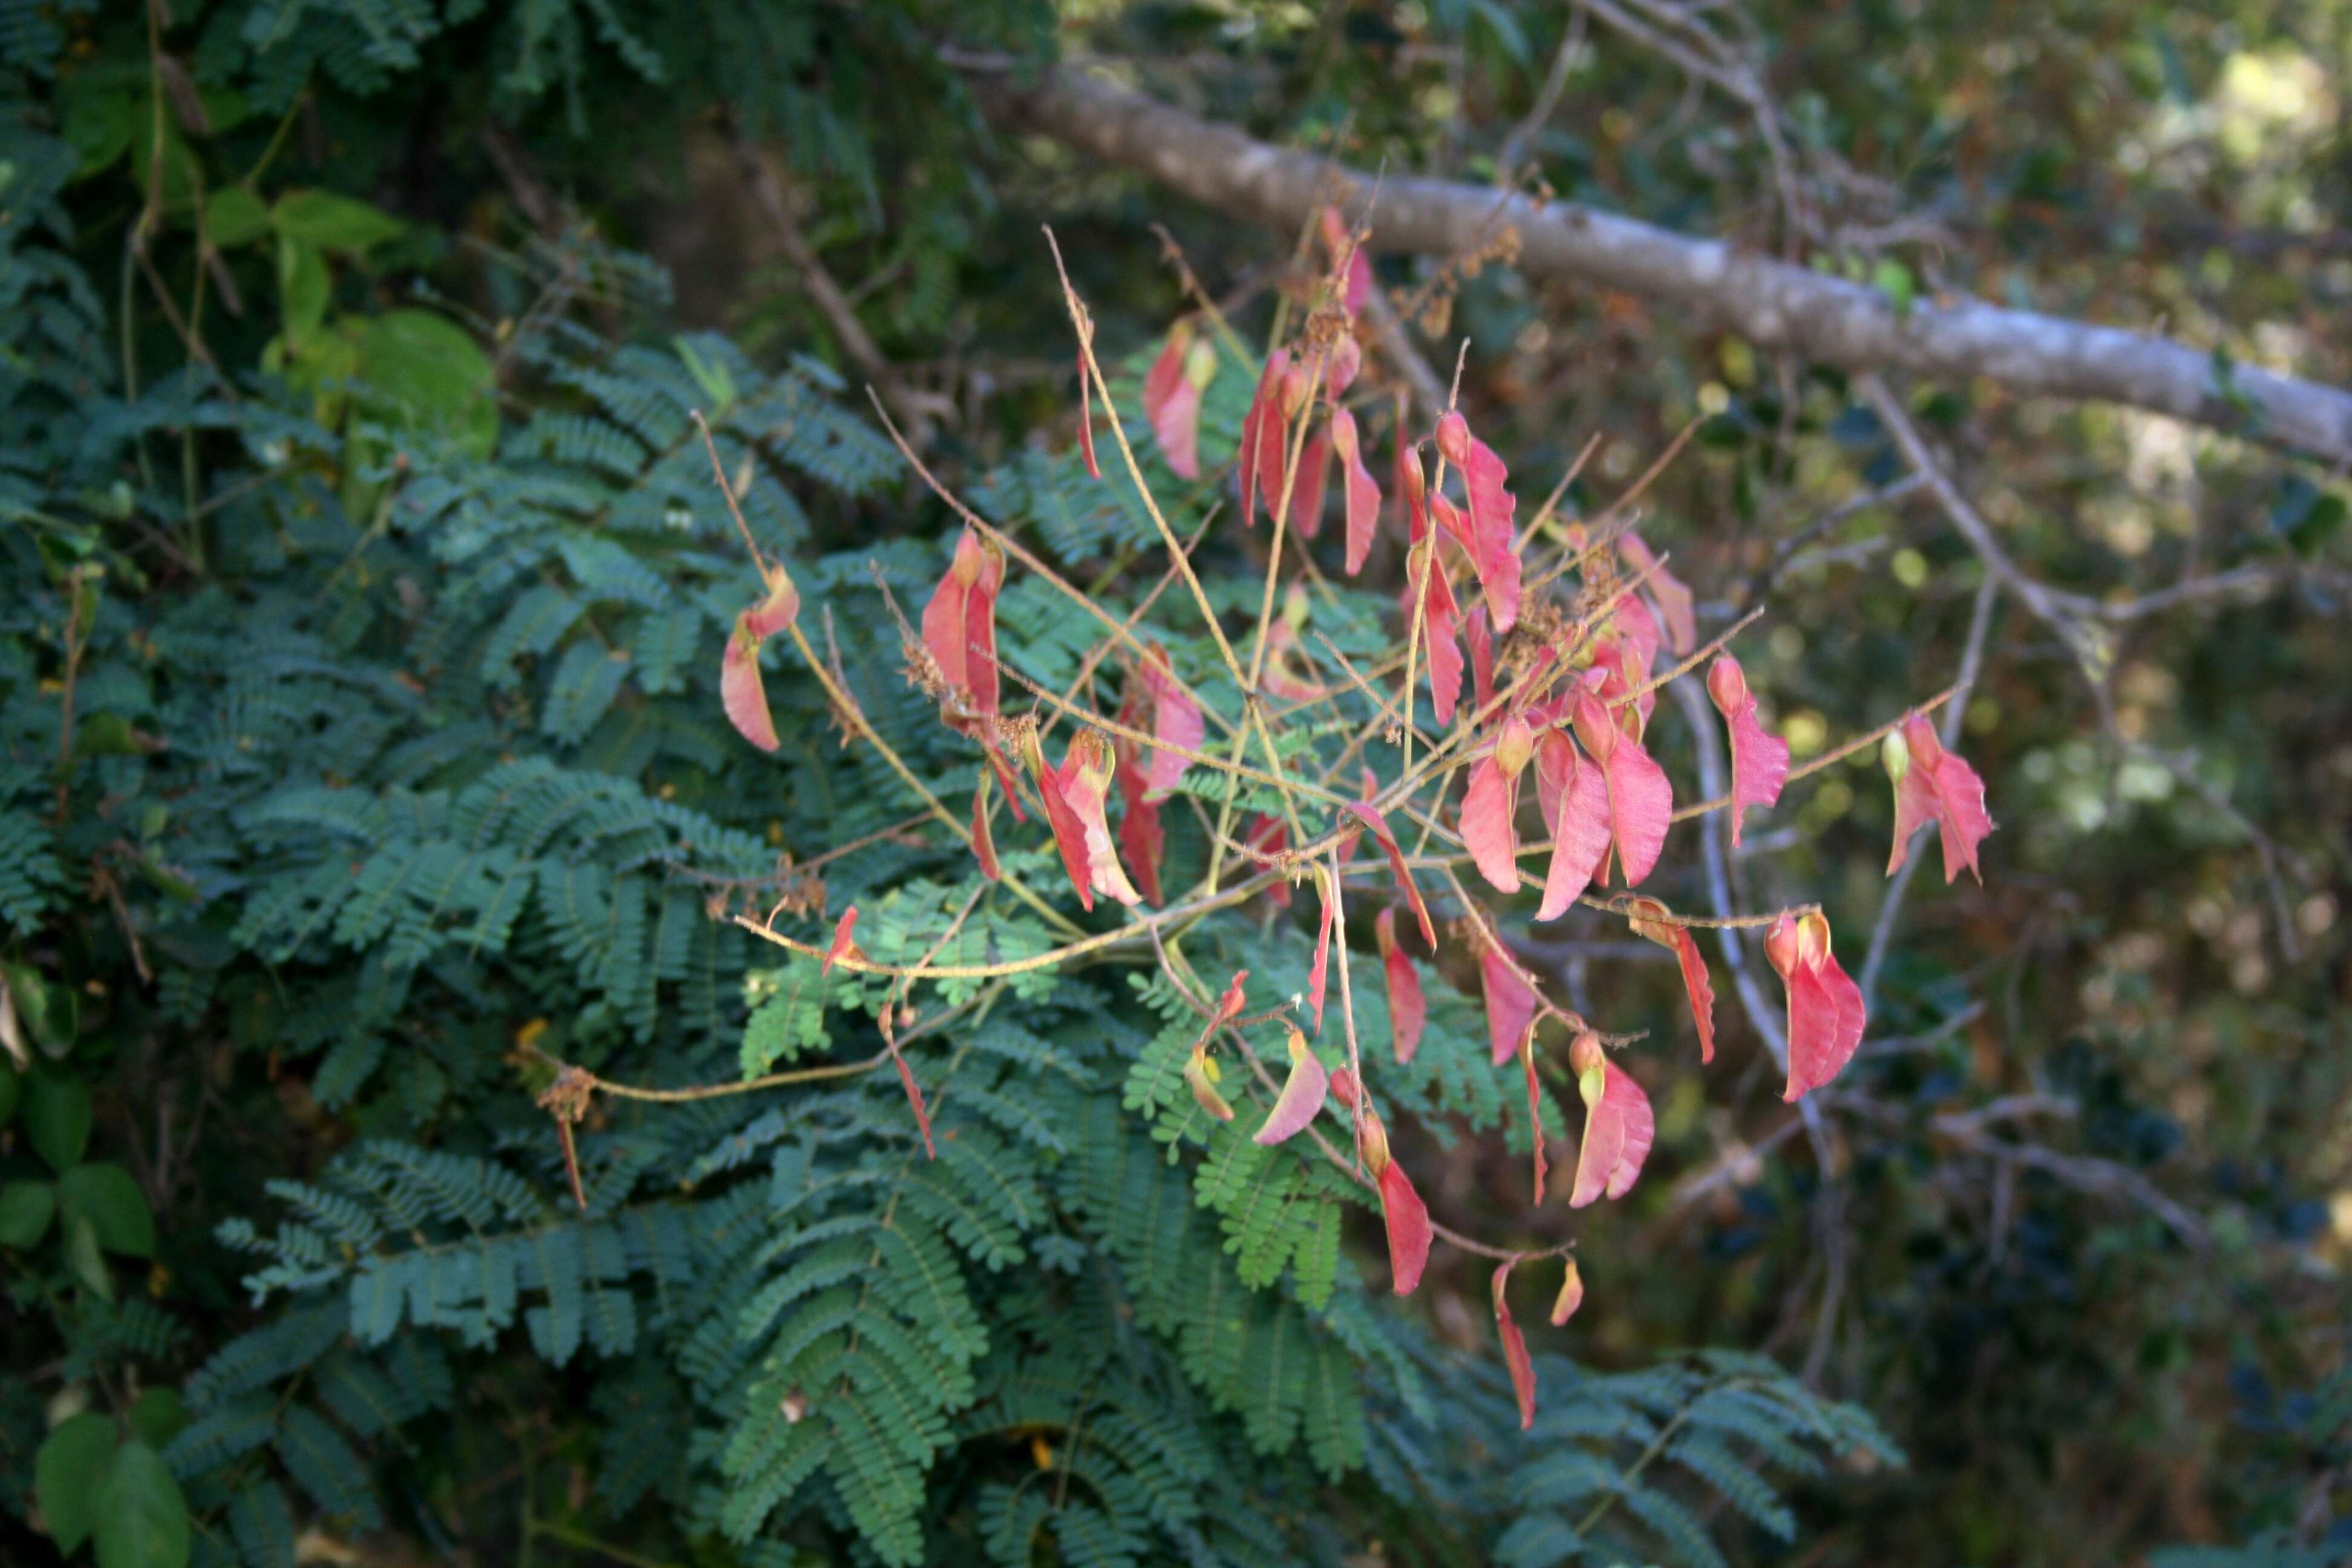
1772, 304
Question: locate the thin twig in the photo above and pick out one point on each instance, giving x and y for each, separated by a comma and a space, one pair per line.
1054, 579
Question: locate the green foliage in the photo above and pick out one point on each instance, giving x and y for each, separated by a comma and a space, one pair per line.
440, 776
1637, 1448
393, 760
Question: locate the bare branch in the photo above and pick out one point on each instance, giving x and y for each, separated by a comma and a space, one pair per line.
840, 315
1772, 304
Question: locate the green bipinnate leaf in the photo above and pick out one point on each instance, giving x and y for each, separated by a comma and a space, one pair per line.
116, 1211
303, 288
25, 1210
157, 1416
143, 1519
57, 1119
85, 1257
235, 215
423, 369
66, 1475
49, 1012
330, 222
106, 735
100, 123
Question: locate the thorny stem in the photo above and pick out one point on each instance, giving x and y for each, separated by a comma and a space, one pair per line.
1489, 937
1448, 1234
1347, 1001
1143, 738
1383, 710
1442, 759
700, 1091
1173, 253
1101, 650
853, 717
1084, 326
1021, 552
1095, 942
1552, 502
1252, 716
1250, 694
1830, 758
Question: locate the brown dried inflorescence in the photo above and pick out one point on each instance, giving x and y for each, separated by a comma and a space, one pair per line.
1542, 627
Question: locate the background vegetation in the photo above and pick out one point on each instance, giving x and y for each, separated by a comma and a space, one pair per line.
361, 749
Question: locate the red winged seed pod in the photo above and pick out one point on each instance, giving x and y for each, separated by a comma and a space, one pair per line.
1760, 763
1570, 1297
740, 691
1825, 1013
1141, 838
983, 842
1491, 804
1514, 1347
1411, 484
1074, 795
1640, 800
1932, 784
1618, 1125
1535, 1110
1630, 648
1406, 1216
1441, 623
1173, 390
1511, 1003
1575, 799
1370, 815
1493, 555
1175, 719
1363, 492
1649, 918
1482, 656
1320, 973
1338, 242
1408, 1012
1087, 417
1302, 1095
1305, 511
1263, 438
1236, 997
1200, 1075
959, 633
1673, 600
845, 941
